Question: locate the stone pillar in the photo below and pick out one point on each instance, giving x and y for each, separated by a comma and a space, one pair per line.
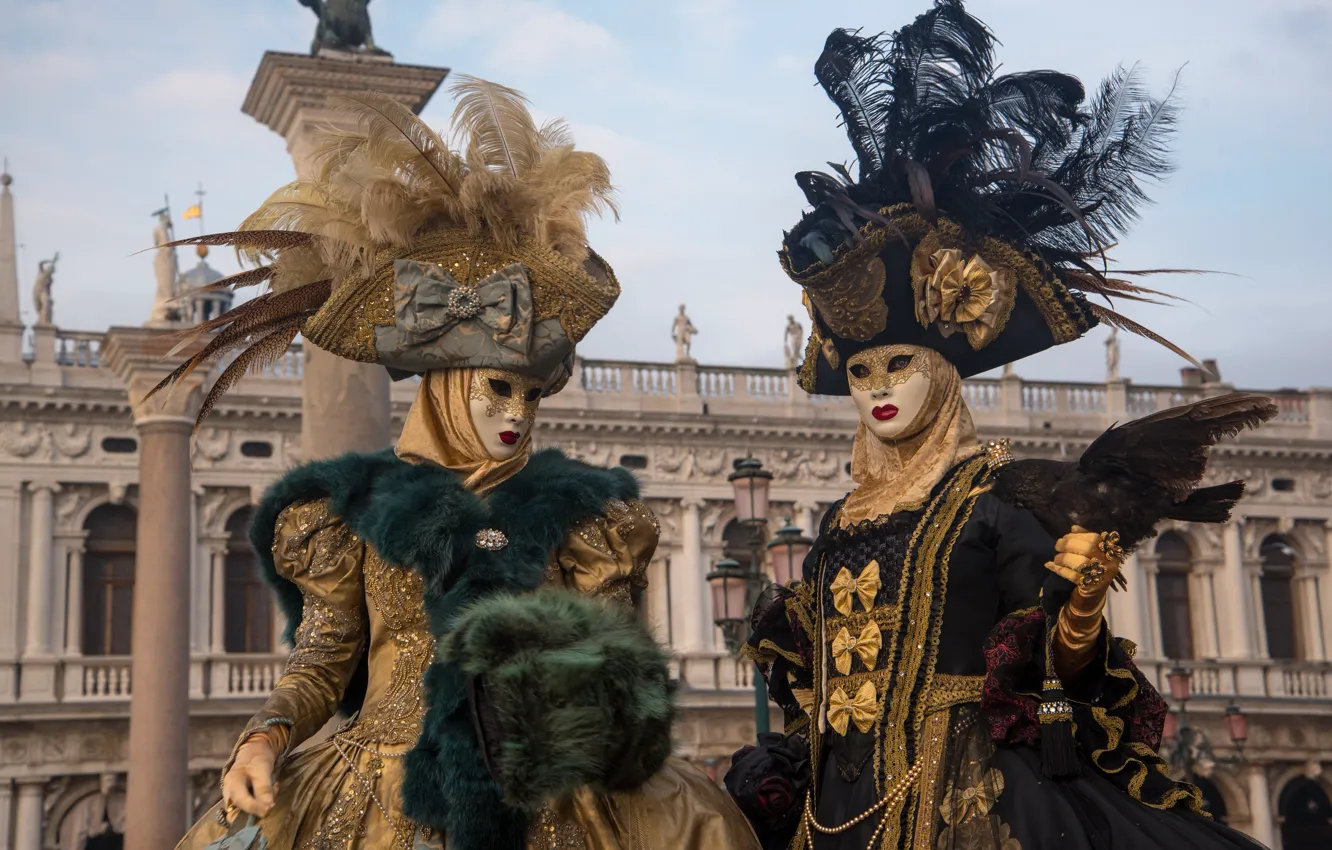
158, 784
345, 405
6, 813
1152, 631
1202, 612
1237, 640
28, 817
805, 518
74, 619
1126, 612
11, 639
40, 542
1309, 618
217, 618
691, 605
39, 669
1260, 805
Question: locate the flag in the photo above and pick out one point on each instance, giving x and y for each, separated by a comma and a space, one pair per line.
192, 212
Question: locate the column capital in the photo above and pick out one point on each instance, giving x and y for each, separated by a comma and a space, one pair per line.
43, 487
693, 503
30, 783
139, 358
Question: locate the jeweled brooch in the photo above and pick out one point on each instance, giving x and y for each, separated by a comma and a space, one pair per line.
491, 539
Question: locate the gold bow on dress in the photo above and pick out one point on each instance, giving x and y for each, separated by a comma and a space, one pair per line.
867, 645
865, 586
861, 708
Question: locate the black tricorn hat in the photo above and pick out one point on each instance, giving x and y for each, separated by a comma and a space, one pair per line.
984, 204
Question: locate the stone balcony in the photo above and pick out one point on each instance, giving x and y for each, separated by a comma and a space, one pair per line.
71, 360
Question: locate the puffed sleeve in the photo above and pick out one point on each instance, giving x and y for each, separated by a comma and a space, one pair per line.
317, 552
608, 555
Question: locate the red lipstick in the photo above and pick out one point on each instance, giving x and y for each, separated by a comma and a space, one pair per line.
509, 438
884, 412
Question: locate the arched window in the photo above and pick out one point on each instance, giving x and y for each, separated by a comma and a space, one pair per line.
108, 580
1306, 816
249, 617
1213, 802
1278, 609
1173, 564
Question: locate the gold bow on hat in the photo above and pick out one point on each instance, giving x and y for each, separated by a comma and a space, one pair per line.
862, 708
865, 586
867, 645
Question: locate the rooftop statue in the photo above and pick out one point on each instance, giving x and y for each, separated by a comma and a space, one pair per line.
343, 25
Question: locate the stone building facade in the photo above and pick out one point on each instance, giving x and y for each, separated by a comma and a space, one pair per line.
1247, 607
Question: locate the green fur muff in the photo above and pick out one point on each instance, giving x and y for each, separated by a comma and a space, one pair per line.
613, 732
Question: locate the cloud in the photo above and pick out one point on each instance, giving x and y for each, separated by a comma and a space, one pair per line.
523, 34
712, 23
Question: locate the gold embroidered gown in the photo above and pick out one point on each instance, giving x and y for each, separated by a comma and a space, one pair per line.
345, 792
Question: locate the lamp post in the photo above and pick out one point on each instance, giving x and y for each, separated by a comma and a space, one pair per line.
1187, 748
735, 589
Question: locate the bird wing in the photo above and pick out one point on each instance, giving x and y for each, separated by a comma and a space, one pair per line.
1170, 447
317, 6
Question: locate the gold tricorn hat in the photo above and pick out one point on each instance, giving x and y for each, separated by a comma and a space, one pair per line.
403, 251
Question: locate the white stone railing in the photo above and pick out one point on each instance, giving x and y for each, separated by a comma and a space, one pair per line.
242, 676
996, 403
79, 349
1300, 680
98, 679
712, 671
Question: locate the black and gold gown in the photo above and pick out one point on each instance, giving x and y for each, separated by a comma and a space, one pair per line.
909, 663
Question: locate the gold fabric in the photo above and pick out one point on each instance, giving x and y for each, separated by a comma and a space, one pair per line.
866, 645
863, 587
1077, 631
345, 793
956, 292
439, 430
862, 708
899, 475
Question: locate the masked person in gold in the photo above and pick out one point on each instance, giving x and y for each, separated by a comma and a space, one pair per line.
464, 601
945, 670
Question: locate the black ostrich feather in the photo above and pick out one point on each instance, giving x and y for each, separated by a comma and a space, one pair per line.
1022, 157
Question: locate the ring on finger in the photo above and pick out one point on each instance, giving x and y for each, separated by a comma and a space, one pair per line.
1091, 573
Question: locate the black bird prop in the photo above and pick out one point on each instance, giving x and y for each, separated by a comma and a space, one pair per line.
1136, 475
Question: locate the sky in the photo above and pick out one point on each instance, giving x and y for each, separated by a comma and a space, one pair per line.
704, 110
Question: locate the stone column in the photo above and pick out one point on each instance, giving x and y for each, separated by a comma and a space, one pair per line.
1126, 606
39, 669
345, 405
1310, 617
6, 813
74, 619
28, 817
691, 604
1237, 640
158, 783
1152, 631
217, 618
805, 518
1260, 805
11, 636
40, 544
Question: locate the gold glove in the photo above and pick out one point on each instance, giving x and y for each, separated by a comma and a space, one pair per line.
1092, 561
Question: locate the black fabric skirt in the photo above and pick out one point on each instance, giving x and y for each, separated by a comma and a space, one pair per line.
997, 799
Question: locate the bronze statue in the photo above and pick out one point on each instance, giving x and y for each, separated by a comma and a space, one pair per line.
343, 25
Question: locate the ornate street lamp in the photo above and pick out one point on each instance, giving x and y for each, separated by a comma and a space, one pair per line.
735, 589
1188, 749
751, 482
730, 601
787, 551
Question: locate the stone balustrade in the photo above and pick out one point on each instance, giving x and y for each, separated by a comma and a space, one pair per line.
72, 358
252, 675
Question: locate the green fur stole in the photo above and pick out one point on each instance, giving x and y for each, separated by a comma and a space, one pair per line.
421, 516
